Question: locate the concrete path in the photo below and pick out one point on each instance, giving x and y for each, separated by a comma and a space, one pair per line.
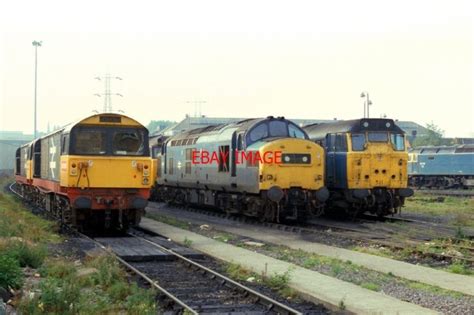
311, 284
442, 279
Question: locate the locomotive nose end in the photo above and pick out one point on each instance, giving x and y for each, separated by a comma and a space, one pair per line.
322, 194
275, 193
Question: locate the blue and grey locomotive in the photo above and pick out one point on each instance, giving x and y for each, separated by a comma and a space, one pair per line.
266, 168
442, 167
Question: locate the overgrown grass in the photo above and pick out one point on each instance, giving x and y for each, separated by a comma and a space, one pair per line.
432, 247
23, 239
278, 282
63, 287
17, 221
459, 208
460, 268
10, 273
348, 271
103, 290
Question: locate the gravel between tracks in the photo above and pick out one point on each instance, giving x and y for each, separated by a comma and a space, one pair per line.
438, 299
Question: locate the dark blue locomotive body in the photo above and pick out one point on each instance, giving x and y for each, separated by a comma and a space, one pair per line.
442, 167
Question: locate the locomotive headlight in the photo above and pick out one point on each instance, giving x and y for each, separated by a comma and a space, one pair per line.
305, 159
145, 181
269, 177
287, 158
73, 169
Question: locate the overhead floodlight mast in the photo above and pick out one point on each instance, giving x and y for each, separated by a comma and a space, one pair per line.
367, 103
36, 44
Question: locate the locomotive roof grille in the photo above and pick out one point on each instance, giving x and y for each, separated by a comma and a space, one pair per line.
319, 131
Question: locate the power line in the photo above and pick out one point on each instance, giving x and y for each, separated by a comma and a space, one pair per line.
107, 92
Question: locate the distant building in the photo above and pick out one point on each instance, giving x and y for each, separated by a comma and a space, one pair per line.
411, 128
9, 142
450, 141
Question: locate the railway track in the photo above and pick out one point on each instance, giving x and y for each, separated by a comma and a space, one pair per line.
370, 234
447, 192
184, 285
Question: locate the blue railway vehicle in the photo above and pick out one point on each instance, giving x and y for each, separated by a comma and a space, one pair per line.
442, 167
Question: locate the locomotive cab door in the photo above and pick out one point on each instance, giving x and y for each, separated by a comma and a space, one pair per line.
233, 148
330, 159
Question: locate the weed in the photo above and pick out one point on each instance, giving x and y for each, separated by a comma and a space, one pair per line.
278, 281
57, 269
187, 242
238, 273
140, 301
311, 262
460, 233
224, 237
109, 271
10, 273
26, 255
460, 268
58, 296
336, 269
342, 305
370, 286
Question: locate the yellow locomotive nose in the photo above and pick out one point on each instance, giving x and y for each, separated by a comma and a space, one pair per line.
300, 164
378, 166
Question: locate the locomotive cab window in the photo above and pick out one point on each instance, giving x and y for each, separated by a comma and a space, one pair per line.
127, 142
295, 131
108, 141
18, 161
278, 128
340, 145
240, 142
224, 158
358, 141
330, 142
90, 141
378, 137
275, 128
398, 142
259, 132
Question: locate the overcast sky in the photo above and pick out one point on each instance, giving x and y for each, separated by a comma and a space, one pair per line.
299, 59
